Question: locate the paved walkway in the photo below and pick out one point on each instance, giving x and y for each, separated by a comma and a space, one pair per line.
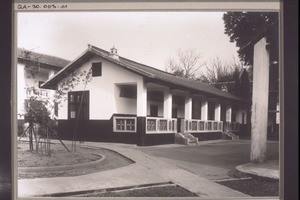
146, 170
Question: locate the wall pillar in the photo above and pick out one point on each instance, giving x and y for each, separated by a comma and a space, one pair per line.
204, 109
217, 111
260, 96
188, 107
167, 104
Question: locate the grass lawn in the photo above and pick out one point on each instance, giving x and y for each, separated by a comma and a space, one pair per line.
256, 187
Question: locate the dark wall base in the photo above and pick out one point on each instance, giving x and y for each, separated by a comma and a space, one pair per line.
156, 139
94, 130
208, 136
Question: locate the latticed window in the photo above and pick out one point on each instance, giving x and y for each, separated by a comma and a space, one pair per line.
220, 126
215, 126
151, 125
163, 125
130, 124
124, 124
120, 124
194, 126
172, 125
201, 126
186, 125
209, 126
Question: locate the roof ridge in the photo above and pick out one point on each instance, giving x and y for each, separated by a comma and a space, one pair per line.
119, 62
42, 54
134, 61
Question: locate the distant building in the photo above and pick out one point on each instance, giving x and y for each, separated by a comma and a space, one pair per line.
33, 69
129, 102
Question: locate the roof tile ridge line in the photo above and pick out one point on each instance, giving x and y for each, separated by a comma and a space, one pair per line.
121, 63
45, 63
118, 61
148, 66
43, 54
126, 59
66, 67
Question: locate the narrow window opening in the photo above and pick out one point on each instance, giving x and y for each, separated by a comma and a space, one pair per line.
97, 69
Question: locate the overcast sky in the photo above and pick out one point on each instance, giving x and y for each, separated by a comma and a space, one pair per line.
146, 37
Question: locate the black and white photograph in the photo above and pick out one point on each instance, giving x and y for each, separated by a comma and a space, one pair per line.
148, 103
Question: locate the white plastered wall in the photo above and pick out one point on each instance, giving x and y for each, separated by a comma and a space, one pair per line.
104, 91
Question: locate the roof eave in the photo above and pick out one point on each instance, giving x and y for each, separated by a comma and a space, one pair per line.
50, 83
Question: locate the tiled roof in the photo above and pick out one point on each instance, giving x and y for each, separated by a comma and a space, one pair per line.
42, 58
149, 72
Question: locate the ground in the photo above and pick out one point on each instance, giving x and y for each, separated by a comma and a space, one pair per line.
213, 160
217, 161
61, 157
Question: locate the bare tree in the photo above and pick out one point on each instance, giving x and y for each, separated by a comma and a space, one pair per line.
217, 71
186, 65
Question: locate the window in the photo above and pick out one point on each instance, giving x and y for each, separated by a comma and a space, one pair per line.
97, 69
153, 110
124, 124
78, 105
56, 108
128, 91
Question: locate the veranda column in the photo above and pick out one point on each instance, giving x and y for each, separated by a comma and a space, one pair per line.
188, 107
228, 113
204, 108
141, 112
217, 111
259, 118
167, 104
141, 104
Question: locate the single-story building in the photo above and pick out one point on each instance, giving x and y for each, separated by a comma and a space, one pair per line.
125, 101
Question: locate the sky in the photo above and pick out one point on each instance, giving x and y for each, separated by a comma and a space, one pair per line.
150, 38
